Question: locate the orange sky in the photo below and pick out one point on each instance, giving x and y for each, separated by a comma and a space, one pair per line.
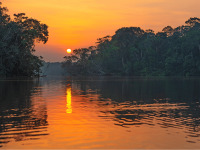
78, 23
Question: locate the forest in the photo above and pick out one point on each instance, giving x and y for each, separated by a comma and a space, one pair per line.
130, 51
137, 52
17, 44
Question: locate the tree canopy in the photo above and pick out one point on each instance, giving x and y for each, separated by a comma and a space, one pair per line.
17, 44
134, 51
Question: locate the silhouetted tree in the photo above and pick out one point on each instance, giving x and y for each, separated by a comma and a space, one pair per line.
17, 42
133, 51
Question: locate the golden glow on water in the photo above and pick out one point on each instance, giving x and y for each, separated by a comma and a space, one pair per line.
104, 116
69, 100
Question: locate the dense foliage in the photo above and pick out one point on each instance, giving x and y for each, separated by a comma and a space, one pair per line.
133, 51
17, 41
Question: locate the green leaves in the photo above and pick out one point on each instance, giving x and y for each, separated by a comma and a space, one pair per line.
17, 42
133, 51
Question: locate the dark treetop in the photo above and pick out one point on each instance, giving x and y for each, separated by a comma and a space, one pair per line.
17, 41
133, 51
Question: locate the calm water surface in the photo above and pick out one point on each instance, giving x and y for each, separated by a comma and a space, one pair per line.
100, 112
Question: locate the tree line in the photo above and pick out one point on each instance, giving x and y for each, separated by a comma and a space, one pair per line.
17, 42
134, 51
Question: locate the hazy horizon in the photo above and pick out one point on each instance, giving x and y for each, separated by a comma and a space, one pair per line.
78, 23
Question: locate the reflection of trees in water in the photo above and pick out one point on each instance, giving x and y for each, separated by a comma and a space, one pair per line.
23, 113
166, 115
169, 103
145, 90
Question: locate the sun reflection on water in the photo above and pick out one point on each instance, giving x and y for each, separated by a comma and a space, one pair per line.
69, 100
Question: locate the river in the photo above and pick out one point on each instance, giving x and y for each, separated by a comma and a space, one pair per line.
100, 112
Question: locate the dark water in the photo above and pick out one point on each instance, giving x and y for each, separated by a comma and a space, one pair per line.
104, 112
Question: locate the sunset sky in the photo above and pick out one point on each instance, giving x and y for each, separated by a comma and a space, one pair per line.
78, 23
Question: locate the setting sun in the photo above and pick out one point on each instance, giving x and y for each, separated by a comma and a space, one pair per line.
99, 74
69, 50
